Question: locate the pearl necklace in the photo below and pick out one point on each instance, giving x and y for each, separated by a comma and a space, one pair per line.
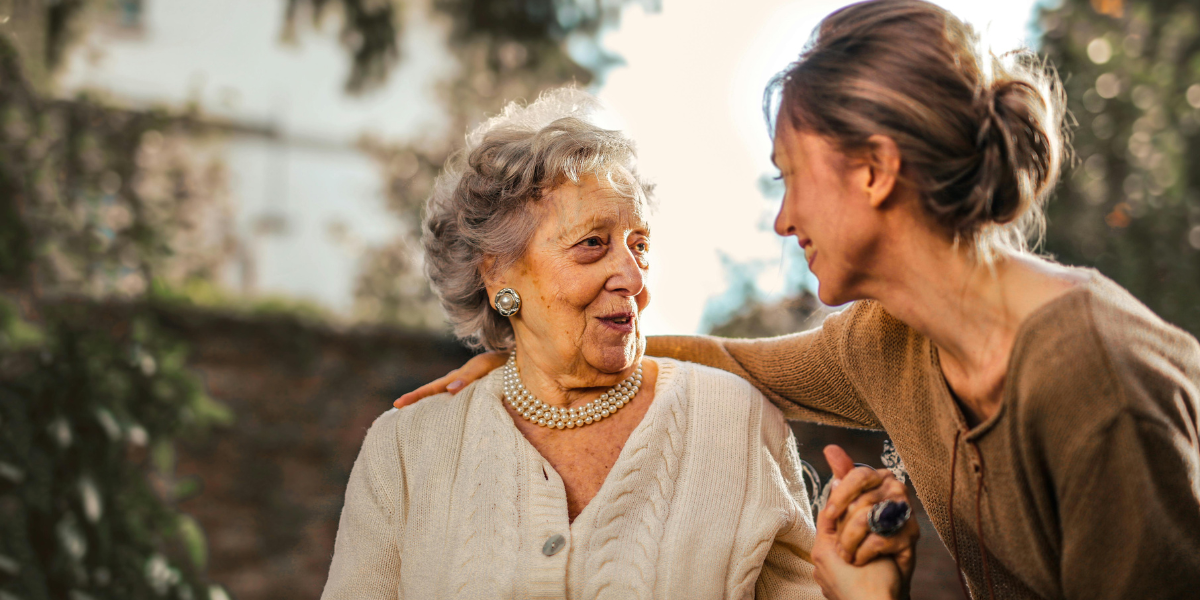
539, 412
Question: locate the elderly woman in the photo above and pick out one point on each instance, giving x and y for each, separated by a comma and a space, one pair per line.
580, 469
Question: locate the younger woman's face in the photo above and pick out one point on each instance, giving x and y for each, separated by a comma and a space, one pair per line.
826, 207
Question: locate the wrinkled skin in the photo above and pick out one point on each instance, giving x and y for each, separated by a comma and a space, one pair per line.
582, 282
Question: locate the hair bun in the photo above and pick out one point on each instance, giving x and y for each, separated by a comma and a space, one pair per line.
1018, 153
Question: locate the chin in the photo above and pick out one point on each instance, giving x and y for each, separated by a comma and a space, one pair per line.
614, 358
831, 295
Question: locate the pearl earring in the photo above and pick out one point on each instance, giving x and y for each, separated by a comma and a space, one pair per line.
507, 302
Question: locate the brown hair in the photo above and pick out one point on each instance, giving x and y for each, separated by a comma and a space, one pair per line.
981, 136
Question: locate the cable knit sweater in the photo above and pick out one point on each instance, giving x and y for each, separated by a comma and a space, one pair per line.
447, 499
1084, 485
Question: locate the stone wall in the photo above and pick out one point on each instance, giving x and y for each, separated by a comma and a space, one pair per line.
269, 487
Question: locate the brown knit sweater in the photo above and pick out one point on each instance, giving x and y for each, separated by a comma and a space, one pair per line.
1084, 485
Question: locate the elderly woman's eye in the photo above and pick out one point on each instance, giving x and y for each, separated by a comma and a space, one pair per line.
592, 242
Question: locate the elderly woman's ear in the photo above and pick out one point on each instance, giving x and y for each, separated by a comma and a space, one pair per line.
493, 281
506, 300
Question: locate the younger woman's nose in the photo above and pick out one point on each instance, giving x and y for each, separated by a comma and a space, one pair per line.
783, 225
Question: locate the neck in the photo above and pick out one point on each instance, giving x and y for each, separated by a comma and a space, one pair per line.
565, 388
971, 311
957, 303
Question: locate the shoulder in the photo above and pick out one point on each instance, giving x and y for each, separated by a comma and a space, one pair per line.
428, 423
877, 342
711, 389
1154, 362
714, 392
704, 382
1131, 333
1099, 352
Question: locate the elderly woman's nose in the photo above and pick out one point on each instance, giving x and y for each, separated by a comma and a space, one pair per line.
628, 276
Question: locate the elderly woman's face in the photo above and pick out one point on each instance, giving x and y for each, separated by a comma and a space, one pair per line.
582, 281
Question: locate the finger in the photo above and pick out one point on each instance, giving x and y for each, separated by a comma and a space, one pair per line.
838, 460
854, 526
852, 530
858, 510
826, 522
875, 545
476, 368
482, 364
889, 489
432, 388
855, 483
907, 561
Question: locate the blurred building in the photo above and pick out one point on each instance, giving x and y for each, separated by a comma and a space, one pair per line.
306, 199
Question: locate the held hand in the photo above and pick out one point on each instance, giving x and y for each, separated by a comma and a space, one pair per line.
858, 491
840, 580
479, 366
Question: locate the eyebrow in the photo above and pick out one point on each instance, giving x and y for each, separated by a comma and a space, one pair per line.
580, 229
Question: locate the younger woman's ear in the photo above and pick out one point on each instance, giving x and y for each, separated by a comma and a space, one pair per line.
883, 160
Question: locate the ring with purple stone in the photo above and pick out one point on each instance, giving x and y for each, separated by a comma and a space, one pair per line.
887, 518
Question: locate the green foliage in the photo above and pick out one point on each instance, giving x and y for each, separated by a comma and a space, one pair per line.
86, 491
369, 32
86, 403
1131, 205
531, 20
199, 292
370, 28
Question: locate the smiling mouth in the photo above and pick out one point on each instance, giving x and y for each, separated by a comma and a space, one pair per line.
809, 252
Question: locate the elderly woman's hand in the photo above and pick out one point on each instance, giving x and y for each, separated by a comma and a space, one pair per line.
858, 490
840, 580
479, 366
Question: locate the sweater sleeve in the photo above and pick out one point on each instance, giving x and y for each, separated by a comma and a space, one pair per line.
366, 558
787, 572
1130, 513
802, 374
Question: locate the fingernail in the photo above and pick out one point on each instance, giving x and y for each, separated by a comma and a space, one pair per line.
455, 385
834, 482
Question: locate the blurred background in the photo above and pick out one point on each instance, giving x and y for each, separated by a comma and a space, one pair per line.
210, 276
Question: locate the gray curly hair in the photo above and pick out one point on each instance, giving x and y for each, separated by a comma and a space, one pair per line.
482, 202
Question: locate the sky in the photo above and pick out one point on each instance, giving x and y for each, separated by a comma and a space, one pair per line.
691, 96
689, 92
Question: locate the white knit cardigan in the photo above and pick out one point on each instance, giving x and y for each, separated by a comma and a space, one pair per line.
449, 500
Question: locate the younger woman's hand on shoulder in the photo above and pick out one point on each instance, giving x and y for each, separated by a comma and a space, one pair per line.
479, 366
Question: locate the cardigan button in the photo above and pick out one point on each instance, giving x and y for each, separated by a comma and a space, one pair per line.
554, 544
